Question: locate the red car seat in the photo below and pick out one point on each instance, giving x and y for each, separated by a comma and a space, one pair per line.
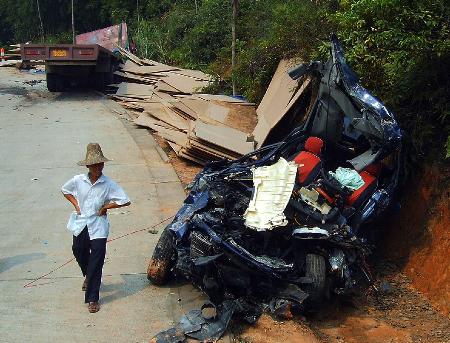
309, 161
369, 176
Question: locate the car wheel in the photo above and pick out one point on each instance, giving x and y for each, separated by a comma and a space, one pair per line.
163, 258
316, 271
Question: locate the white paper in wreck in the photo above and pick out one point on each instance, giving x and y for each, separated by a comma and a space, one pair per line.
273, 188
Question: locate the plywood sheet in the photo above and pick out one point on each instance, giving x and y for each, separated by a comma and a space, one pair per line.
143, 70
147, 121
280, 91
196, 74
185, 84
207, 110
184, 110
219, 97
273, 105
165, 87
223, 136
135, 89
267, 123
175, 147
168, 116
133, 77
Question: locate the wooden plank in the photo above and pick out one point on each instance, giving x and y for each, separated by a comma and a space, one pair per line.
194, 140
131, 56
166, 115
135, 77
183, 153
176, 137
224, 136
268, 121
224, 98
135, 89
183, 110
208, 111
211, 151
175, 147
143, 70
185, 84
279, 93
147, 121
196, 74
165, 87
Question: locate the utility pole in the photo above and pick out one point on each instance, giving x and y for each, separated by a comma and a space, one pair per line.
233, 43
196, 7
40, 20
73, 26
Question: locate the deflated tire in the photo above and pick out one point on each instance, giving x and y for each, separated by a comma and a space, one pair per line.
163, 258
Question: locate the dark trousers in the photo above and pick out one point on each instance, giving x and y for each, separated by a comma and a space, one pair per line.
90, 255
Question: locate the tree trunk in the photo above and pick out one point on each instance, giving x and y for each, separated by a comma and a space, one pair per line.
233, 43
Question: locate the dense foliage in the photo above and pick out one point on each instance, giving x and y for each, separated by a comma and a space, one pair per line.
400, 48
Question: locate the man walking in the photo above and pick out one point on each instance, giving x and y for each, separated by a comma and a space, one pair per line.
92, 195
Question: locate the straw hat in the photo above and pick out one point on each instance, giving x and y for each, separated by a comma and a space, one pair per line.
94, 155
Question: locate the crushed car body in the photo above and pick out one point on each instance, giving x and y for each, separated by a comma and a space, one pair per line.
287, 225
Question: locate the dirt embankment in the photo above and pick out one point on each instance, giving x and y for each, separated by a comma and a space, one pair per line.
419, 236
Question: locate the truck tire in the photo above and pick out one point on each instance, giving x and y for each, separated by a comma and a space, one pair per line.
100, 81
162, 260
54, 83
316, 270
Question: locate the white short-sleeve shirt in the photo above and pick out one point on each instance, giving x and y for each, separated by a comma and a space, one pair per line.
91, 197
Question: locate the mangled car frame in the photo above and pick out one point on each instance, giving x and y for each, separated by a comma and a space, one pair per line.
288, 223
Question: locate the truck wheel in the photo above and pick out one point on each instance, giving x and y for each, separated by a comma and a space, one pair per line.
100, 81
54, 83
316, 270
163, 258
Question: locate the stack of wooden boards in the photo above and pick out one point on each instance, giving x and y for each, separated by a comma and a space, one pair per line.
168, 100
204, 127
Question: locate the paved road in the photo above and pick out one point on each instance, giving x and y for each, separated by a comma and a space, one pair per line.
42, 136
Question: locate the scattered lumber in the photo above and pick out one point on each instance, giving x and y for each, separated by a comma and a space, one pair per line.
169, 101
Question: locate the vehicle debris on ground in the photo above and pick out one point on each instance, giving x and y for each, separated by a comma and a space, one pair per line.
274, 230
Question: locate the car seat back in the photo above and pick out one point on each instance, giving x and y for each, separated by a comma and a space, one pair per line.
308, 160
369, 176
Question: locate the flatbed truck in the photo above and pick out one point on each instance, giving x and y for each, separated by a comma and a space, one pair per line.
73, 64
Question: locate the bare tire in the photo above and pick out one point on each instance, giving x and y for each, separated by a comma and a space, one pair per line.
163, 258
316, 271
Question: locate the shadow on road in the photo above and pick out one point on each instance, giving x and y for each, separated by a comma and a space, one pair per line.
131, 285
12, 261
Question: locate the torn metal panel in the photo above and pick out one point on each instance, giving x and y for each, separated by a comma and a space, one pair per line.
273, 187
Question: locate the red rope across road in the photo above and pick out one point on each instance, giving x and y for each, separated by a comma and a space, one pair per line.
30, 284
